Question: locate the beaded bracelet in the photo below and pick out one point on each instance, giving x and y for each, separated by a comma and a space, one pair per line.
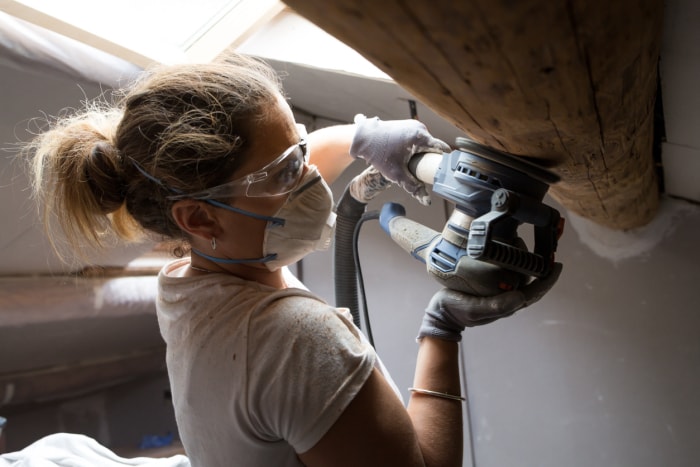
428, 392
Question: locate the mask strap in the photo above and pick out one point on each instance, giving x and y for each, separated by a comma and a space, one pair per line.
274, 220
265, 259
147, 175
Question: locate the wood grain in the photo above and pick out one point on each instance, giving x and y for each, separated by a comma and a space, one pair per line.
571, 83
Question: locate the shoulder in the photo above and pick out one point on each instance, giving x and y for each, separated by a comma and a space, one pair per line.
306, 363
305, 339
303, 315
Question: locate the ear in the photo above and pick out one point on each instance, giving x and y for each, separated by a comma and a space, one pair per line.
195, 218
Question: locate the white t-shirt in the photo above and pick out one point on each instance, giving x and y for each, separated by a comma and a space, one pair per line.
257, 374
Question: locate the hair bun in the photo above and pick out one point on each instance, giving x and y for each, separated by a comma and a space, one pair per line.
104, 176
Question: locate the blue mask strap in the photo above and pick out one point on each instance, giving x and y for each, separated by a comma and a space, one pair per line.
274, 220
152, 178
265, 259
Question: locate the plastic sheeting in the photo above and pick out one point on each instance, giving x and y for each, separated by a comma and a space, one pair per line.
42, 73
27, 47
75, 450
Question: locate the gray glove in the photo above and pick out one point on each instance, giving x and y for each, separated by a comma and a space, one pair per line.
450, 311
389, 145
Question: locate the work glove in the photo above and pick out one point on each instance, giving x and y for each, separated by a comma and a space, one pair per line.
450, 311
389, 145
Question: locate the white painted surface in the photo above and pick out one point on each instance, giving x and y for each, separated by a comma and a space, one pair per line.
682, 170
680, 83
616, 245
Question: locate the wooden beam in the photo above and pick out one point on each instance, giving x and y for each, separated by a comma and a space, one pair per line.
572, 83
78, 378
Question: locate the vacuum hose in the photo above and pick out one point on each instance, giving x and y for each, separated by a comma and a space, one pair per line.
350, 211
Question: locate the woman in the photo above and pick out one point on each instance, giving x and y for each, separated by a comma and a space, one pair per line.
262, 372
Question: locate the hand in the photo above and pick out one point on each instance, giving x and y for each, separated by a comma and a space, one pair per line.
389, 145
450, 311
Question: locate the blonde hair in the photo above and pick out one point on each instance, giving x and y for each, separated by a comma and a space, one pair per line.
186, 126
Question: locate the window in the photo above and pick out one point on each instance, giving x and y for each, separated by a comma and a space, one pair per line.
144, 31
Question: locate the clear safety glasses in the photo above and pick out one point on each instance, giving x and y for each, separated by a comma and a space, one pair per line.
279, 177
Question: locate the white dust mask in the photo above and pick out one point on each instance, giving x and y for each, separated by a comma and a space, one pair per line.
304, 223
309, 223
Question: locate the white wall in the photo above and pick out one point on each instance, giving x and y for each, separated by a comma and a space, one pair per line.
603, 372
680, 73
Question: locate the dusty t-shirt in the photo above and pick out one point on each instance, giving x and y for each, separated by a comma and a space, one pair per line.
257, 374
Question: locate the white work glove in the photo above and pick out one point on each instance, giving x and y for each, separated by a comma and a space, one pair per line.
389, 145
450, 311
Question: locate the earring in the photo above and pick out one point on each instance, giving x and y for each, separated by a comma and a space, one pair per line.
213, 243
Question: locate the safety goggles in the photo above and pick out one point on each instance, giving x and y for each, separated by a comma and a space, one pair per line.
279, 177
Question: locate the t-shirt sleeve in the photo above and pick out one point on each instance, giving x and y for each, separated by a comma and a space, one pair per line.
306, 364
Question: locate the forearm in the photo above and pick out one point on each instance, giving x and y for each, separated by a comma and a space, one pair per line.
438, 421
329, 150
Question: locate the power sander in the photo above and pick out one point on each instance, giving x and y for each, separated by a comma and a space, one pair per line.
479, 250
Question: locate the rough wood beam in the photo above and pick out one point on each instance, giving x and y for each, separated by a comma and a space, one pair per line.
71, 380
572, 83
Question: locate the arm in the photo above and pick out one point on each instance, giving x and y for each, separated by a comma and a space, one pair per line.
438, 421
329, 150
386, 145
376, 430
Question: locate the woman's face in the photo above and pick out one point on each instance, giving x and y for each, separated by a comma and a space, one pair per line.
243, 235
272, 136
